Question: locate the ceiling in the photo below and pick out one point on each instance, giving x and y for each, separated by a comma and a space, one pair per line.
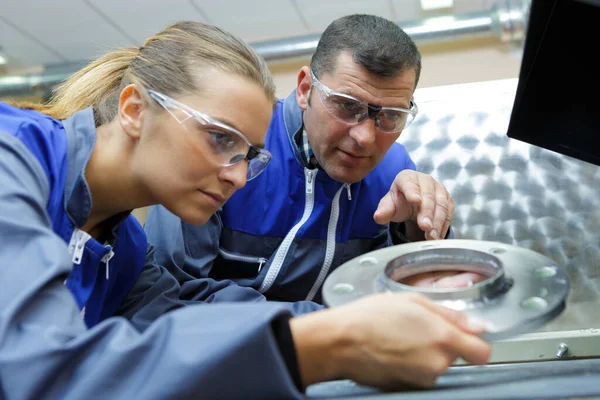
38, 32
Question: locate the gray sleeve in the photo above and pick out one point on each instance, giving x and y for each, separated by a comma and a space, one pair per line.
157, 292
46, 351
178, 262
188, 251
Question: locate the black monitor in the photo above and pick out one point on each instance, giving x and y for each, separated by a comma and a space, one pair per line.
557, 104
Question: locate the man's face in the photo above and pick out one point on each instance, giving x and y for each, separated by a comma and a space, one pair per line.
348, 152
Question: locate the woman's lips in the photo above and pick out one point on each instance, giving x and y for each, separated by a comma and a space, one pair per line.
215, 199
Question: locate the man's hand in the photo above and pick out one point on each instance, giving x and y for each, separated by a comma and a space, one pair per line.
419, 198
387, 340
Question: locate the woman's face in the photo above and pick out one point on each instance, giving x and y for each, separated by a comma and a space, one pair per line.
175, 161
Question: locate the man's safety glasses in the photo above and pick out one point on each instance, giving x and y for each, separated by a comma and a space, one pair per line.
227, 144
352, 111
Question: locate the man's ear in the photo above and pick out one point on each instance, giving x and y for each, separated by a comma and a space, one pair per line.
131, 105
303, 87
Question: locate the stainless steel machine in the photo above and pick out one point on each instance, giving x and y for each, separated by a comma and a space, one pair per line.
535, 189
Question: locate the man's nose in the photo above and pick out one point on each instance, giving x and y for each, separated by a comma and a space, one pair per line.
364, 132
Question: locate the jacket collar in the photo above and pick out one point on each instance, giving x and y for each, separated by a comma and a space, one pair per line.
292, 115
81, 137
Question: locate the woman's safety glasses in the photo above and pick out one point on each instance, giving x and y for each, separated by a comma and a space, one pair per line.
352, 111
227, 144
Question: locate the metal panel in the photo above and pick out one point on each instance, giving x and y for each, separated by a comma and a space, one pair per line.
509, 191
573, 379
542, 346
254, 20
143, 18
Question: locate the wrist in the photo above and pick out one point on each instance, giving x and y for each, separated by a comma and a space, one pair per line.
322, 345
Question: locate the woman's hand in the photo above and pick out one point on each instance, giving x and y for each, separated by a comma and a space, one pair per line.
387, 340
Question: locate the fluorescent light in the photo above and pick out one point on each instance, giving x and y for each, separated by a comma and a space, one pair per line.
435, 4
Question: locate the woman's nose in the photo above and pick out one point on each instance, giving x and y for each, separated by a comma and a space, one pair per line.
235, 174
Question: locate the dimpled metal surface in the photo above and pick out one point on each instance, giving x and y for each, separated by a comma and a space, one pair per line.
509, 191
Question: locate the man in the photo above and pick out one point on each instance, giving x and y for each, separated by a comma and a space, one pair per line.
339, 184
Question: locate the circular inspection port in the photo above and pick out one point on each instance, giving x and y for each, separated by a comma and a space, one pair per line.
448, 274
515, 289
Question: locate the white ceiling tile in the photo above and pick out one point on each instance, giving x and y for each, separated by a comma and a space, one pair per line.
254, 20
320, 13
72, 27
141, 19
23, 50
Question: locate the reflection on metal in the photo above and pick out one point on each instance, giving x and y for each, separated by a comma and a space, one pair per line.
523, 291
546, 346
506, 20
509, 191
553, 379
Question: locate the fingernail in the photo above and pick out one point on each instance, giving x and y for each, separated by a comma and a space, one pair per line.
427, 221
434, 234
477, 324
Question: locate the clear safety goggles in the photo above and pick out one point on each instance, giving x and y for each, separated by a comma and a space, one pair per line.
227, 144
352, 111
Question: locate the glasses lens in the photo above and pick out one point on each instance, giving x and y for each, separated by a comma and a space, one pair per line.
258, 164
343, 108
227, 146
393, 121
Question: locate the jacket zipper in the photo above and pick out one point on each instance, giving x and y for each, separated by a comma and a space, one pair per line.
330, 248
106, 259
249, 259
284, 247
77, 244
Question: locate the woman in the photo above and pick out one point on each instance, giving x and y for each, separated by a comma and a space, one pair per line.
180, 122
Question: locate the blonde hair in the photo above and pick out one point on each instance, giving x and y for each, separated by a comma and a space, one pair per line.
167, 62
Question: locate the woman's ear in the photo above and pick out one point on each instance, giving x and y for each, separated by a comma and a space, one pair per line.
303, 88
131, 105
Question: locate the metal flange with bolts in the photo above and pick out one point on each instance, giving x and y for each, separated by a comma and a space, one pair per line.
522, 289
